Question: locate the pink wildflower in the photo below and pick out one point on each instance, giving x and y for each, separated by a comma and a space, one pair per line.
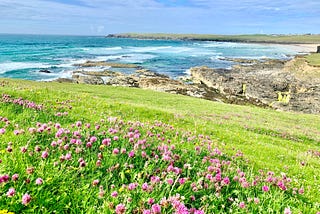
301, 191
287, 210
242, 205
265, 188
120, 208
11, 192
156, 208
226, 181
114, 194
182, 181
150, 201
39, 181
282, 186
106, 141
89, 145
26, 198
68, 156
82, 164
95, 182
131, 154
115, 151
2, 131
78, 123
132, 186
256, 200
15, 177
144, 186
155, 179
23, 149
93, 139
143, 154
45, 154
170, 181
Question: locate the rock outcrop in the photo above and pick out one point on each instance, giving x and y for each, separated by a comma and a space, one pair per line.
285, 85
107, 64
87, 79
270, 83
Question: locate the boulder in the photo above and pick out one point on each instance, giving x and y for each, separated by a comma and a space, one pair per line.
64, 80
87, 79
124, 80
161, 84
104, 73
171, 86
141, 73
45, 71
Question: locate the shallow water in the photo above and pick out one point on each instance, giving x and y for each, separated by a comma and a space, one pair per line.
22, 56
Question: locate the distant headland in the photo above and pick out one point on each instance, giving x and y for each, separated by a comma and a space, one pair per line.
248, 38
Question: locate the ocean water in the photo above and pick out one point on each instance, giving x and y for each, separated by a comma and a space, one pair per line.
23, 56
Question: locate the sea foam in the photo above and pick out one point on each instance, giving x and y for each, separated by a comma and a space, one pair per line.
10, 66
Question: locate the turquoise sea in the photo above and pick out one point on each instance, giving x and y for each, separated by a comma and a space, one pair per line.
22, 56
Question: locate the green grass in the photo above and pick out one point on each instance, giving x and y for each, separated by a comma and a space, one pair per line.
269, 140
289, 39
313, 59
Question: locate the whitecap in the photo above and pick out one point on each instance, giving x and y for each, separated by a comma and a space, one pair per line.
102, 50
136, 58
187, 71
149, 48
107, 58
10, 66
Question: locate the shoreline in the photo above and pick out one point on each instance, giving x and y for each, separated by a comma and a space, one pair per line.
305, 48
288, 85
299, 46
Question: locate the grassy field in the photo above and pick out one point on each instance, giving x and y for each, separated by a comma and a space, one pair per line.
313, 59
259, 144
263, 38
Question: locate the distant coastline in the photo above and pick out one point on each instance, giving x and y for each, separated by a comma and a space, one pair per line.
246, 38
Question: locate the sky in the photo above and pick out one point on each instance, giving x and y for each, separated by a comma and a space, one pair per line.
102, 17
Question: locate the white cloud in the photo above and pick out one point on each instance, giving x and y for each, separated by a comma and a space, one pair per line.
199, 16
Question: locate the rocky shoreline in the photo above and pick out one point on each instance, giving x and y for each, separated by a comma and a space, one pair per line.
289, 85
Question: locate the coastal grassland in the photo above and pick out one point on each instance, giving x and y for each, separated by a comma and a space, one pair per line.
313, 59
261, 38
280, 142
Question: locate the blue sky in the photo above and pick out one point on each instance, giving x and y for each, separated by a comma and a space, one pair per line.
101, 17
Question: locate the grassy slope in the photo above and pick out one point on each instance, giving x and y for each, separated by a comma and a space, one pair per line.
313, 39
314, 59
269, 139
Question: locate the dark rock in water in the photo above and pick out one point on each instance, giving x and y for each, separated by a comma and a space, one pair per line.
45, 71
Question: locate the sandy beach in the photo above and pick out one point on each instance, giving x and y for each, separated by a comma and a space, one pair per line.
309, 48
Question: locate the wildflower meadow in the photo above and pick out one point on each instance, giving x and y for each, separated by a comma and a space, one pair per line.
67, 153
